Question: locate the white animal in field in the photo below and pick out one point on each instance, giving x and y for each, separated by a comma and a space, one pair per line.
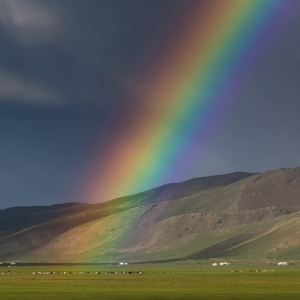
282, 263
224, 263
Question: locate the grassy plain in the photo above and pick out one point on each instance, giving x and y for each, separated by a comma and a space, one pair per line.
183, 280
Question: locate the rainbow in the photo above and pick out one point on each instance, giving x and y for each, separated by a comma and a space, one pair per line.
181, 95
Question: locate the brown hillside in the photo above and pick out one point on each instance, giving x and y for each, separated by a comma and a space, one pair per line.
219, 215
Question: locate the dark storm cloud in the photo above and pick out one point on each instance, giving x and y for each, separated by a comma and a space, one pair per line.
77, 52
23, 26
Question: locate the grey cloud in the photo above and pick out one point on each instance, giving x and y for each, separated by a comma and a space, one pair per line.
91, 51
28, 21
14, 88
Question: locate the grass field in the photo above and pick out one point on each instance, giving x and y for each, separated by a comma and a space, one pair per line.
183, 280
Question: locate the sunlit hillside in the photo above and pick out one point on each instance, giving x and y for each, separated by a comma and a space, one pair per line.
238, 215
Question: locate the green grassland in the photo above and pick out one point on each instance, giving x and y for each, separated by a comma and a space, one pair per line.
176, 280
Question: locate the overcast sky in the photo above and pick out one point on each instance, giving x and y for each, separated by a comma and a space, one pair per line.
67, 68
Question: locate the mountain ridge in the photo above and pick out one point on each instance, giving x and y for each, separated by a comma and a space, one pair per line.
214, 215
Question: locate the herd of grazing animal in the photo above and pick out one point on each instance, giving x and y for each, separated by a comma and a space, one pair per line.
254, 271
123, 273
80, 273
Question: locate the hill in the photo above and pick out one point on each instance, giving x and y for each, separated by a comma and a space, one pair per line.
238, 215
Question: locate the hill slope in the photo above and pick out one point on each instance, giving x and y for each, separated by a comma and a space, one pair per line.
238, 214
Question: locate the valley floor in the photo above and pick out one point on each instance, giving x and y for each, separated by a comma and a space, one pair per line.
151, 281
